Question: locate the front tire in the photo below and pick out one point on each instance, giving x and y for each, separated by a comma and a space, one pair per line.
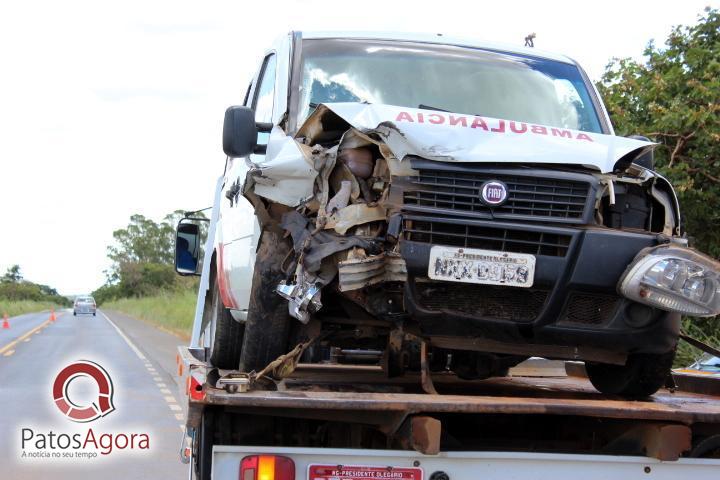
268, 321
642, 375
227, 334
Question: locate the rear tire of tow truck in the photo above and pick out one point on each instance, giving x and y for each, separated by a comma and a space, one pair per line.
268, 322
642, 375
204, 444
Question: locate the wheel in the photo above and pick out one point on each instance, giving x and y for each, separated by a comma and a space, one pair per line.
204, 444
643, 374
268, 321
94, 314
74, 313
226, 334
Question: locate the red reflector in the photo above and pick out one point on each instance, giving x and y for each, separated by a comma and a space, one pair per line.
267, 467
195, 389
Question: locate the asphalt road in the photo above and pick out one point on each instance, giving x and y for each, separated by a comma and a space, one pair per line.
139, 359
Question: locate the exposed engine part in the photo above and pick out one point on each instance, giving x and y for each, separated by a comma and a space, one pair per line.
303, 300
359, 161
361, 270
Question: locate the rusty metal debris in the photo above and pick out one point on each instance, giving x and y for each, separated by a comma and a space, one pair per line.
420, 433
425, 379
661, 441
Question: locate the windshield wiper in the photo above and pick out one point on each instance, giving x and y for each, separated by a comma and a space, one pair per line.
428, 107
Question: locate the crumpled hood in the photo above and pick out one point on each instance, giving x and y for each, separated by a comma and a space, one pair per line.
452, 137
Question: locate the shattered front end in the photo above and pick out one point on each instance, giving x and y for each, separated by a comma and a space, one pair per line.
487, 240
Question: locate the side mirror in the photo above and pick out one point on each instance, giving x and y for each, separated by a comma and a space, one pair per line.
187, 248
239, 132
647, 159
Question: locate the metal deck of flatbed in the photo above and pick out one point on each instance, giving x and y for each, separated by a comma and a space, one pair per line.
572, 396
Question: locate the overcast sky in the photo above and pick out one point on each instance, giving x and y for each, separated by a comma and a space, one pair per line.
114, 108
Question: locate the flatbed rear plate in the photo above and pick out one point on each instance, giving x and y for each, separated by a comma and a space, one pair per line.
362, 472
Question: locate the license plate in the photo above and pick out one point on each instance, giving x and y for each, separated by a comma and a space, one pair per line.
471, 265
362, 472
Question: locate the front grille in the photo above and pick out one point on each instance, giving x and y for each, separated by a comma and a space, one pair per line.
589, 308
483, 301
486, 237
538, 197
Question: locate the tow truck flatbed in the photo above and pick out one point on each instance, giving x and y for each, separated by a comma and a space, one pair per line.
510, 395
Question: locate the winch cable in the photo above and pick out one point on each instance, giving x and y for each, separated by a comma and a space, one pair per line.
700, 344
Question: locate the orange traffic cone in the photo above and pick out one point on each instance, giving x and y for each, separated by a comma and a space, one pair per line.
6, 324
52, 314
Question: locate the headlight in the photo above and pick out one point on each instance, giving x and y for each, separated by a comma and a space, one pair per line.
676, 279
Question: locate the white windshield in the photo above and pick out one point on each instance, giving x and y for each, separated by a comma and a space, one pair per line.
454, 79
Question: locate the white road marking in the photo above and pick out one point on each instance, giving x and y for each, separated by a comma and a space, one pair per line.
172, 403
8, 353
27, 339
127, 340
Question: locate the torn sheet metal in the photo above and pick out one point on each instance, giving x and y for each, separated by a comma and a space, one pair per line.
313, 246
453, 137
360, 271
353, 215
286, 175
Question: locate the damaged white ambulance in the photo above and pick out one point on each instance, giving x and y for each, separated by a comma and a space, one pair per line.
423, 202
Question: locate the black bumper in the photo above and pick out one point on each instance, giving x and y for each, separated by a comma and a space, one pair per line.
573, 301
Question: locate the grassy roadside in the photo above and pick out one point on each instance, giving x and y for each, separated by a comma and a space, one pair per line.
173, 311
18, 307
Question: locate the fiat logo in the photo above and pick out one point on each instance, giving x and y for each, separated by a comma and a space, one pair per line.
494, 192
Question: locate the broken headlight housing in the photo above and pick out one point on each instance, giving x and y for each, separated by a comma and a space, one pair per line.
675, 279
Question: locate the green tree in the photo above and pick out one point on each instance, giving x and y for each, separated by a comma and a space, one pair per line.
143, 257
12, 275
673, 97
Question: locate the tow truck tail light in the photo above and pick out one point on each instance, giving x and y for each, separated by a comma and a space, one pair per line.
267, 467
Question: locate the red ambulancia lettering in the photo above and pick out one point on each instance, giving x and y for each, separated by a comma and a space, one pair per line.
500, 128
436, 119
516, 129
479, 123
561, 133
455, 120
404, 117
